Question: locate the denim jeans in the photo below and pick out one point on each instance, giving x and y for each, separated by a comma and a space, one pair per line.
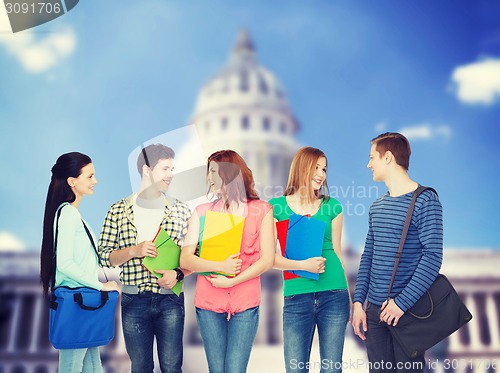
302, 313
148, 315
228, 343
384, 353
80, 360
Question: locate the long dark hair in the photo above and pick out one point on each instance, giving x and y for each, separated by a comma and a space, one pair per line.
67, 165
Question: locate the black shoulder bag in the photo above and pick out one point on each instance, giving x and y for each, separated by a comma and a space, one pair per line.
436, 315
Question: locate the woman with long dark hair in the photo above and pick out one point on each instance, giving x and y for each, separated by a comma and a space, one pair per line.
75, 263
309, 304
227, 308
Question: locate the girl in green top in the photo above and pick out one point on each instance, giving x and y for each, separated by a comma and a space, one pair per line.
323, 303
75, 264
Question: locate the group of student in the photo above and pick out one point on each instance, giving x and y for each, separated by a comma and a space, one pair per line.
227, 307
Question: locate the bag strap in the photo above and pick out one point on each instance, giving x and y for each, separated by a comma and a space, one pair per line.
78, 298
406, 226
53, 280
95, 248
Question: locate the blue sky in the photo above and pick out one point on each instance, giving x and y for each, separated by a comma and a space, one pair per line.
109, 75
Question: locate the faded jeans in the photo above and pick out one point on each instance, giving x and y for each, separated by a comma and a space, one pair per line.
80, 360
228, 343
148, 315
302, 313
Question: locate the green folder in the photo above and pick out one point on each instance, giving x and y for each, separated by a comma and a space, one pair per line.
168, 257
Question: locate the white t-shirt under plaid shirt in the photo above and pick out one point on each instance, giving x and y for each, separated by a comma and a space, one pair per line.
119, 232
148, 215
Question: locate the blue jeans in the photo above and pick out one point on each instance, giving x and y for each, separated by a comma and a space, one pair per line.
80, 360
228, 343
384, 353
146, 316
302, 313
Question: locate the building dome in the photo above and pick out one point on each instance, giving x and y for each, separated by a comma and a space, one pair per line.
243, 82
244, 108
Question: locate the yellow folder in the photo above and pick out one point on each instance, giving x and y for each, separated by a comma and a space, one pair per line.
222, 235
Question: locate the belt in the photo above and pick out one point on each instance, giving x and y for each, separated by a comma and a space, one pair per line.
134, 289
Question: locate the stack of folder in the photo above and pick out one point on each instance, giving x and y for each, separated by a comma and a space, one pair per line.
168, 257
300, 237
220, 236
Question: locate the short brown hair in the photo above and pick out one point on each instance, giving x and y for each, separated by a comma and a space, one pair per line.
397, 144
152, 154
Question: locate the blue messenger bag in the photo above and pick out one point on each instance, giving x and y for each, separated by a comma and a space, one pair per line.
81, 317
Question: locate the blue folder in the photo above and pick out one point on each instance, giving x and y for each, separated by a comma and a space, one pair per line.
304, 240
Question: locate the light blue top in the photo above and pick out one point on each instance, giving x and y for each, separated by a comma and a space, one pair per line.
76, 263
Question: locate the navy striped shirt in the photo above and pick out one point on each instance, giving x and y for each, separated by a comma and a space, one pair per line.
422, 253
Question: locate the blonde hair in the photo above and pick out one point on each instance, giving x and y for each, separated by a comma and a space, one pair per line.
301, 171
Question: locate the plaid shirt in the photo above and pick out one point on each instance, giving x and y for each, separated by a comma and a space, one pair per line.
119, 232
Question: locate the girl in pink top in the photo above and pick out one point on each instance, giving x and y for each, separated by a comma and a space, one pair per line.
227, 308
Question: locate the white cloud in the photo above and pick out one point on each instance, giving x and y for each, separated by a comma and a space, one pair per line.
425, 131
9, 242
380, 127
36, 55
478, 83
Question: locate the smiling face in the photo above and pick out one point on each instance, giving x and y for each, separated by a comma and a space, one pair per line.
214, 178
83, 184
319, 174
377, 164
162, 174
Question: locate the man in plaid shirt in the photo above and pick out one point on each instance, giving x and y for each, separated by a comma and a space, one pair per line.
149, 307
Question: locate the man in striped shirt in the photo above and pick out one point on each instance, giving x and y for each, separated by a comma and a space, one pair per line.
420, 261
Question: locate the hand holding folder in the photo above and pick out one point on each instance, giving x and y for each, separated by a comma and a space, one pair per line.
168, 257
282, 230
303, 240
221, 237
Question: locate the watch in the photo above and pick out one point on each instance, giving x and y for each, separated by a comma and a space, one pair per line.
180, 274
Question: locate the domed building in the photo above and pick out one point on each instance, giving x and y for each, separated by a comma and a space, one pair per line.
244, 108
